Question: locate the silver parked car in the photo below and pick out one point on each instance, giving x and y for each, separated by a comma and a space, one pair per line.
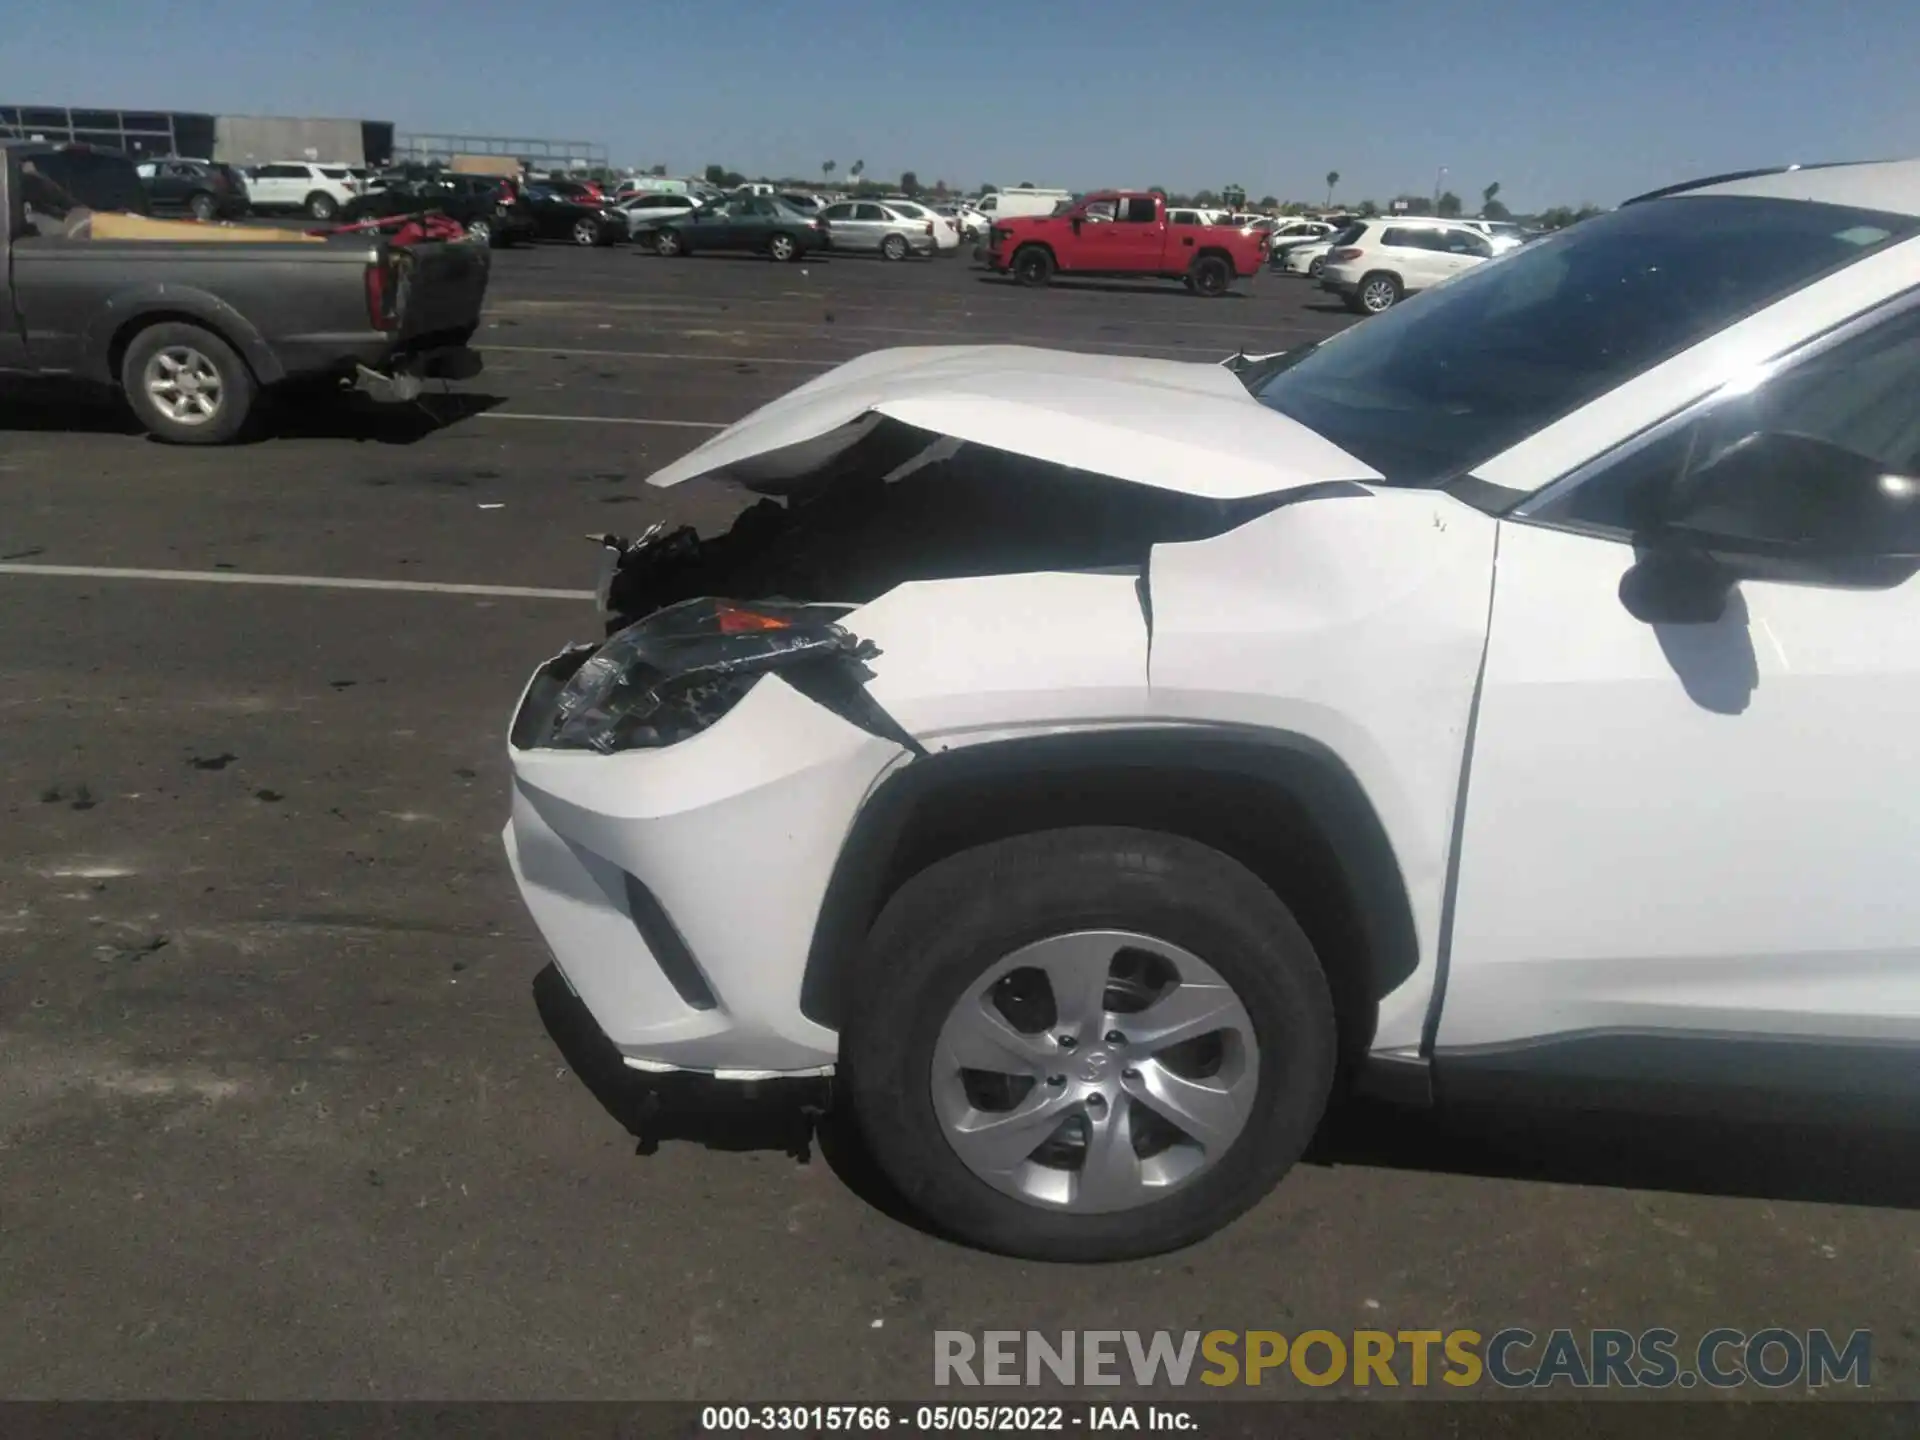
869, 225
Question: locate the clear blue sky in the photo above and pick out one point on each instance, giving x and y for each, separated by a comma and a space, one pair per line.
1561, 101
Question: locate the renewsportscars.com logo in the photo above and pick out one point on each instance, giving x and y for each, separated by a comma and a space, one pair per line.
1774, 1358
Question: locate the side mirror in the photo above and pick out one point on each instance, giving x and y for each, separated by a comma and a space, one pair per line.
1798, 500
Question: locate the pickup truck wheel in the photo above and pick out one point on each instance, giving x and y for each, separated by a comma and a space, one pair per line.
1211, 276
321, 206
202, 207
894, 247
586, 232
1032, 266
187, 385
1087, 1044
783, 248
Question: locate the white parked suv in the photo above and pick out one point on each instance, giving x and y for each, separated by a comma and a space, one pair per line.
322, 191
1376, 263
1508, 698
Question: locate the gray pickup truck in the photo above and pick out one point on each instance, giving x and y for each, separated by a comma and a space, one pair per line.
192, 322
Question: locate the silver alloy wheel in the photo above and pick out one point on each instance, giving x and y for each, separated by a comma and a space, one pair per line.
585, 232
183, 384
666, 243
480, 231
1138, 1076
894, 248
1315, 266
1377, 295
781, 247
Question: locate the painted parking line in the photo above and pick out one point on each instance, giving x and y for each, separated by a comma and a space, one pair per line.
292, 582
604, 420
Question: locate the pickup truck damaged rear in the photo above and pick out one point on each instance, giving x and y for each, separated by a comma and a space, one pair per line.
193, 321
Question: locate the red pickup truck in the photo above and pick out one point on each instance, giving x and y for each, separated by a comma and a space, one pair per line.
1123, 232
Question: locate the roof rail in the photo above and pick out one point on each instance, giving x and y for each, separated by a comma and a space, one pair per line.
1733, 175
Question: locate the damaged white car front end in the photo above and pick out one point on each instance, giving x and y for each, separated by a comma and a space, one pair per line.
968, 545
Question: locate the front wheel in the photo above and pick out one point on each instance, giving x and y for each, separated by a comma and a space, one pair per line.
1088, 1044
187, 385
668, 242
1033, 266
783, 248
586, 232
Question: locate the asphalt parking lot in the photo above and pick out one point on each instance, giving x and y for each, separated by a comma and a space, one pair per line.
289, 1105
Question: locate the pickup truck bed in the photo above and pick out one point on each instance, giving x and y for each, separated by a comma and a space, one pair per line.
192, 329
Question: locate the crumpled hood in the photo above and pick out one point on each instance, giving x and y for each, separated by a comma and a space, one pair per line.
1184, 426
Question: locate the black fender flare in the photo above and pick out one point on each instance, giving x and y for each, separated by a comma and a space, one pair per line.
1282, 803
126, 310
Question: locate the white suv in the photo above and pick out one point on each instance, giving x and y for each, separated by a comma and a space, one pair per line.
1379, 262
1510, 698
322, 191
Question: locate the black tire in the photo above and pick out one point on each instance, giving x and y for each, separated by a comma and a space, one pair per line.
894, 247
203, 206
1315, 266
480, 229
1211, 276
1033, 265
783, 248
1377, 292
321, 206
586, 233
237, 387
669, 242
947, 925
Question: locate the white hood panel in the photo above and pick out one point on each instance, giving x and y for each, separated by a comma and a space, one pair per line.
1184, 426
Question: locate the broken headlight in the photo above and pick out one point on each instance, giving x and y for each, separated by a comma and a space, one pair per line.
680, 669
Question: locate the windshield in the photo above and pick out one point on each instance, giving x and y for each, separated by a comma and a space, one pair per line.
1425, 393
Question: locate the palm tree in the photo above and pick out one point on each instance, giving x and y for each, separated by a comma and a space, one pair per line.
1333, 179
827, 167
859, 169
1489, 195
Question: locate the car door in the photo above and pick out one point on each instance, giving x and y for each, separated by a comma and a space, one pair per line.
168, 188
273, 186
1413, 253
1682, 826
841, 226
1459, 249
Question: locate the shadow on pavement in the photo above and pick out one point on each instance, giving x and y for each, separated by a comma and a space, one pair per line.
1820, 1164
788, 1116
297, 413
347, 415
1072, 285
64, 407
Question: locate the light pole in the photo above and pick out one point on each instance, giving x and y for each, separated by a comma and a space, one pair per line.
1438, 179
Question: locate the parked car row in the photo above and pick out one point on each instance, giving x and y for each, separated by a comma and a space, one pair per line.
1372, 264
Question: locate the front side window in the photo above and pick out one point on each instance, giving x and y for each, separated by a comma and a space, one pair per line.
1427, 391
1861, 395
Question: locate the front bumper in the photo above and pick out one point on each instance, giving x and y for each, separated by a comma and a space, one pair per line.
678, 889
